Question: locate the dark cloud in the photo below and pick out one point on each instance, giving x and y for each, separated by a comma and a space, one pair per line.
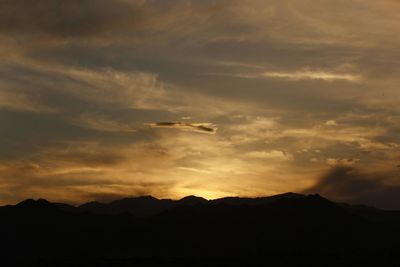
68, 18
350, 185
85, 18
196, 127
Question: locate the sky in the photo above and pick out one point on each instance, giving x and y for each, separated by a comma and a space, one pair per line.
106, 99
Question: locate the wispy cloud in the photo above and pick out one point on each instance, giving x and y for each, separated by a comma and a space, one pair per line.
341, 162
313, 75
331, 123
270, 155
99, 123
196, 127
21, 102
299, 75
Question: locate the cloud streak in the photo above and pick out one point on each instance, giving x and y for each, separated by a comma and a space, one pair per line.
208, 128
19, 101
99, 123
300, 75
270, 155
312, 75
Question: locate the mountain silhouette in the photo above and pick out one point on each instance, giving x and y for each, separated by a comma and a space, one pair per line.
147, 205
192, 200
287, 229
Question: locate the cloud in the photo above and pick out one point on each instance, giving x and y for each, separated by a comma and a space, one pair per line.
68, 18
248, 129
95, 21
301, 75
99, 123
351, 185
195, 127
271, 155
81, 171
19, 101
312, 75
105, 86
193, 170
360, 135
331, 123
97, 88
341, 162
129, 89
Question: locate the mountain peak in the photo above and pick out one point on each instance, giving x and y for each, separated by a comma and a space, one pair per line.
34, 203
37, 206
191, 200
147, 197
291, 194
316, 197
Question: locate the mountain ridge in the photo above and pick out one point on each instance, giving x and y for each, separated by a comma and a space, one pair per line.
143, 206
148, 205
193, 229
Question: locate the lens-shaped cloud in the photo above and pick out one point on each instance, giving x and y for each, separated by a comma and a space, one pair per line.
195, 127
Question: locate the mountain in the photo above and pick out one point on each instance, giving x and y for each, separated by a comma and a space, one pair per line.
288, 229
192, 200
138, 206
255, 201
147, 205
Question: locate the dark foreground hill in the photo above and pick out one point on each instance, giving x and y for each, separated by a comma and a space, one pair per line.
288, 229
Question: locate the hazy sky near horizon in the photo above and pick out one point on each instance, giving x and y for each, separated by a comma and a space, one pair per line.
103, 99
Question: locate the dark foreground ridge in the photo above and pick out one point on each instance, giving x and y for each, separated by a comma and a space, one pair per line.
288, 229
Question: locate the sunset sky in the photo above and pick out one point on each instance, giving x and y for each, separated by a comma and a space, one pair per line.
106, 99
